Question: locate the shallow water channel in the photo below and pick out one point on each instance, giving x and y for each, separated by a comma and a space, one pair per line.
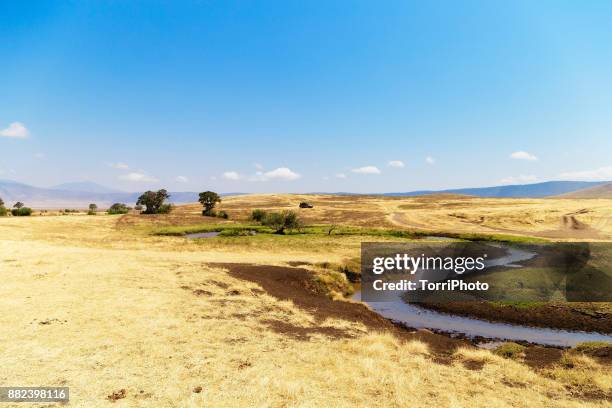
396, 309
211, 234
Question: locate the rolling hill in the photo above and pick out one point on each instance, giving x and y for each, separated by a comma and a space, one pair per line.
601, 191
80, 194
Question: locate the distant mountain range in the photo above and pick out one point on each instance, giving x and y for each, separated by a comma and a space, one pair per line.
76, 195
81, 194
536, 190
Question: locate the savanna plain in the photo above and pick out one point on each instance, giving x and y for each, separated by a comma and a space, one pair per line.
129, 312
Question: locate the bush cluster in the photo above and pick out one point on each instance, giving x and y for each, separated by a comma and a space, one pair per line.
118, 208
279, 221
21, 212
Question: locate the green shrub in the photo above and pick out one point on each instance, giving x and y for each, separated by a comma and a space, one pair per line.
3, 211
165, 209
21, 212
258, 215
118, 208
223, 214
91, 212
286, 220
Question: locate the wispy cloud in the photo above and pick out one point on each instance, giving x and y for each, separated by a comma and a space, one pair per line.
181, 179
430, 160
602, 173
340, 175
396, 163
232, 175
519, 179
138, 177
16, 130
118, 166
281, 173
521, 155
367, 170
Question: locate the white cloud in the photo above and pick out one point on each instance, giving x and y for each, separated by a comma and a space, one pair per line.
430, 160
366, 170
39, 155
15, 130
602, 173
119, 166
281, 173
231, 175
139, 177
181, 179
519, 179
341, 175
396, 163
521, 155
258, 166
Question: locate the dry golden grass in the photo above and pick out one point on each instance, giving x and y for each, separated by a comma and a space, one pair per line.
549, 218
97, 304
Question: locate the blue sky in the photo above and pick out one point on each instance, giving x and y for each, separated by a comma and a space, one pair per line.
295, 96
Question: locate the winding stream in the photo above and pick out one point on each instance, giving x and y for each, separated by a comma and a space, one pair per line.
395, 309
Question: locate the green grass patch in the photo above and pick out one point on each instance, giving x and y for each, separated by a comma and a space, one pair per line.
592, 346
224, 229
238, 229
510, 350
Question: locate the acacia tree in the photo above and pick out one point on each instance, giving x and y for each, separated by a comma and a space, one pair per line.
18, 205
209, 200
154, 202
2, 209
1, 202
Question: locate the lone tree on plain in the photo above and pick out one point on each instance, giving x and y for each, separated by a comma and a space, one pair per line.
18, 205
209, 200
154, 202
92, 208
